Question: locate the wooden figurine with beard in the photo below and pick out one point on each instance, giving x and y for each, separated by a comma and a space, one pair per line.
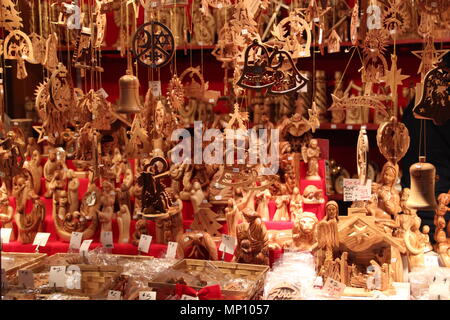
196, 245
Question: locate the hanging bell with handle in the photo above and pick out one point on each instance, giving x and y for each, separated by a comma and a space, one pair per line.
423, 178
129, 101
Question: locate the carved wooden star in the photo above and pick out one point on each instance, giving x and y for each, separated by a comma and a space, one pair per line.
239, 117
394, 76
429, 56
42, 137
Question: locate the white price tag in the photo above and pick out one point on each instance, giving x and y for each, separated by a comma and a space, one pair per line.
350, 127
212, 101
363, 193
5, 234
41, 239
154, 4
218, 197
219, 6
75, 240
333, 126
334, 288
244, 31
106, 238
187, 297
431, 260
147, 295
440, 289
144, 243
114, 295
84, 248
171, 250
228, 244
236, 170
103, 93
290, 158
26, 278
350, 186
57, 276
155, 87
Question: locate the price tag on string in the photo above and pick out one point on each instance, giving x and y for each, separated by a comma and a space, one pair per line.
228, 244
103, 93
350, 186
84, 248
244, 32
155, 87
147, 295
431, 260
114, 295
106, 238
41, 239
4, 282
57, 276
171, 250
26, 279
75, 240
333, 288
188, 297
5, 234
144, 243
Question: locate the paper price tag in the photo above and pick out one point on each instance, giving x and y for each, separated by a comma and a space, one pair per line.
349, 127
219, 197
26, 278
187, 297
440, 290
334, 288
431, 260
75, 240
244, 31
114, 295
5, 234
41, 239
350, 186
236, 170
57, 276
171, 250
144, 243
333, 126
106, 238
363, 193
212, 100
147, 295
84, 248
228, 244
103, 93
4, 282
155, 87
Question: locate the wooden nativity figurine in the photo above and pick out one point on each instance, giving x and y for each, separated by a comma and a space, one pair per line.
123, 221
263, 205
311, 155
295, 204
304, 232
6, 211
36, 170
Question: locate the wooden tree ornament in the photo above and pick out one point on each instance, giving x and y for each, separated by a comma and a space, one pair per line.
18, 46
10, 18
206, 220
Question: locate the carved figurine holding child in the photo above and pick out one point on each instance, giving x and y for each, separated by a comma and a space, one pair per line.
311, 155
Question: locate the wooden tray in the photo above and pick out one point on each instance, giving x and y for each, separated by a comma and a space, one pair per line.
255, 273
24, 261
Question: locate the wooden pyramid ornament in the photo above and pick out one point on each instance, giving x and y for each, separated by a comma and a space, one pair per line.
206, 220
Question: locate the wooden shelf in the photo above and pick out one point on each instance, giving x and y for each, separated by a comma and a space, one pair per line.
343, 126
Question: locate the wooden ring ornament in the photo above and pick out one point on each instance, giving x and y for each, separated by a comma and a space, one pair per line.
153, 45
393, 140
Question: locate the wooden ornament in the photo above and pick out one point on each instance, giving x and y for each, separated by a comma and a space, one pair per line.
6, 211
38, 43
304, 232
197, 245
51, 50
61, 89
393, 140
10, 18
204, 218
362, 150
396, 18
203, 27
346, 103
123, 220
311, 155
354, 24
18, 46
284, 291
334, 42
293, 35
432, 7
429, 57
275, 72
434, 103
153, 45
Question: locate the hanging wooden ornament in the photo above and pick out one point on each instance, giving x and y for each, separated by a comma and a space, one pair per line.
432, 7
334, 42
354, 24
38, 43
175, 93
276, 72
293, 35
362, 148
9, 18
51, 51
100, 23
18, 46
393, 140
61, 89
435, 102
153, 45
429, 57
374, 62
346, 103
396, 19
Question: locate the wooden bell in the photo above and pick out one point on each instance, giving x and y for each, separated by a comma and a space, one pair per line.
129, 101
423, 177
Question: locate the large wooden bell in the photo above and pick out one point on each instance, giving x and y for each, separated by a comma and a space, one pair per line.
129, 94
423, 177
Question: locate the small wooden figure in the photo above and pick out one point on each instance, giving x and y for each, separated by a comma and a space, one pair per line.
123, 220
303, 232
140, 229
233, 216
281, 214
296, 204
263, 205
6, 212
332, 211
311, 155
72, 188
252, 240
35, 168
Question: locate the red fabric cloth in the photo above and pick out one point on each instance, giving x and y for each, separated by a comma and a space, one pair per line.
206, 293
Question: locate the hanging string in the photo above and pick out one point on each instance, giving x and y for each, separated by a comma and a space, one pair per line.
345, 70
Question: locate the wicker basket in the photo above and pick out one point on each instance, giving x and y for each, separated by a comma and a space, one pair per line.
75, 258
255, 273
24, 261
